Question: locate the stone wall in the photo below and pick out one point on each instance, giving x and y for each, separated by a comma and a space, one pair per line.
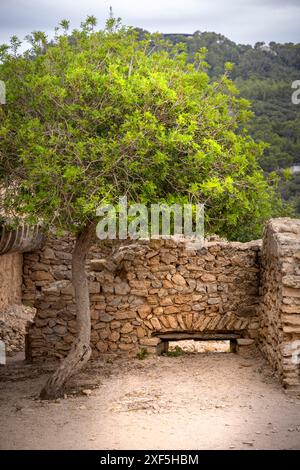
279, 310
140, 292
10, 279
14, 317
14, 324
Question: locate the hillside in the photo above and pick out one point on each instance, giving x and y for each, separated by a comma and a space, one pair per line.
264, 75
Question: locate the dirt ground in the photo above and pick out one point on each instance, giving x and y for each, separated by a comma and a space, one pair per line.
194, 401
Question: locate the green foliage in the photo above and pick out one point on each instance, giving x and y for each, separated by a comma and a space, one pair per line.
263, 74
290, 190
177, 351
99, 114
142, 354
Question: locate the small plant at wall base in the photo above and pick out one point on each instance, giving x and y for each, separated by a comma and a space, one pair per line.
177, 351
100, 114
142, 354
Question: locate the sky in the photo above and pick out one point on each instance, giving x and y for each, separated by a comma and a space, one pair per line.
243, 21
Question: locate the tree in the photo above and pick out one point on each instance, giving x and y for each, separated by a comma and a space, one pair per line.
96, 115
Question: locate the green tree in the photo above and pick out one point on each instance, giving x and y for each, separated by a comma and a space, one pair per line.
97, 115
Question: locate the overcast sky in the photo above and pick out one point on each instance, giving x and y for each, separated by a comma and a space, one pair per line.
244, 21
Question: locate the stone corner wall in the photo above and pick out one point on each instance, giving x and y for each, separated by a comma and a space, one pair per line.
279, 310
142, 291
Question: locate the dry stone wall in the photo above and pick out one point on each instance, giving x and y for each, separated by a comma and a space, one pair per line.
13, 317
140, 291
15, 321
279, 310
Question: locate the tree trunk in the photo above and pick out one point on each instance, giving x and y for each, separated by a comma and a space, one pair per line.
81, 350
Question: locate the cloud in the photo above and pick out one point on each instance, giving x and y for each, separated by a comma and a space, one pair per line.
245, 21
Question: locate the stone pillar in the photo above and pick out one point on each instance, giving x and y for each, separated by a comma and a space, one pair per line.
280, 305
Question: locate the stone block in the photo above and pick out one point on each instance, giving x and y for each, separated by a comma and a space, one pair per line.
127, 328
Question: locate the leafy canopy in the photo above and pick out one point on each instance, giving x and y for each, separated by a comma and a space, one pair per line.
95, 115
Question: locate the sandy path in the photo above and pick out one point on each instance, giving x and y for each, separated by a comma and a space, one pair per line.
196, 401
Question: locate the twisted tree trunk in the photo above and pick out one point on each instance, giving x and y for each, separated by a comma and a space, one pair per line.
81, 350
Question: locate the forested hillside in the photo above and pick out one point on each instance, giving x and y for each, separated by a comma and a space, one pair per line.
264, 75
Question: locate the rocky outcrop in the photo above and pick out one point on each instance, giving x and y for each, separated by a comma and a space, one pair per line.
13, 316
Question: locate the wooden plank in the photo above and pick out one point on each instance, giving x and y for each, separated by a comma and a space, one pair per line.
198, 336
